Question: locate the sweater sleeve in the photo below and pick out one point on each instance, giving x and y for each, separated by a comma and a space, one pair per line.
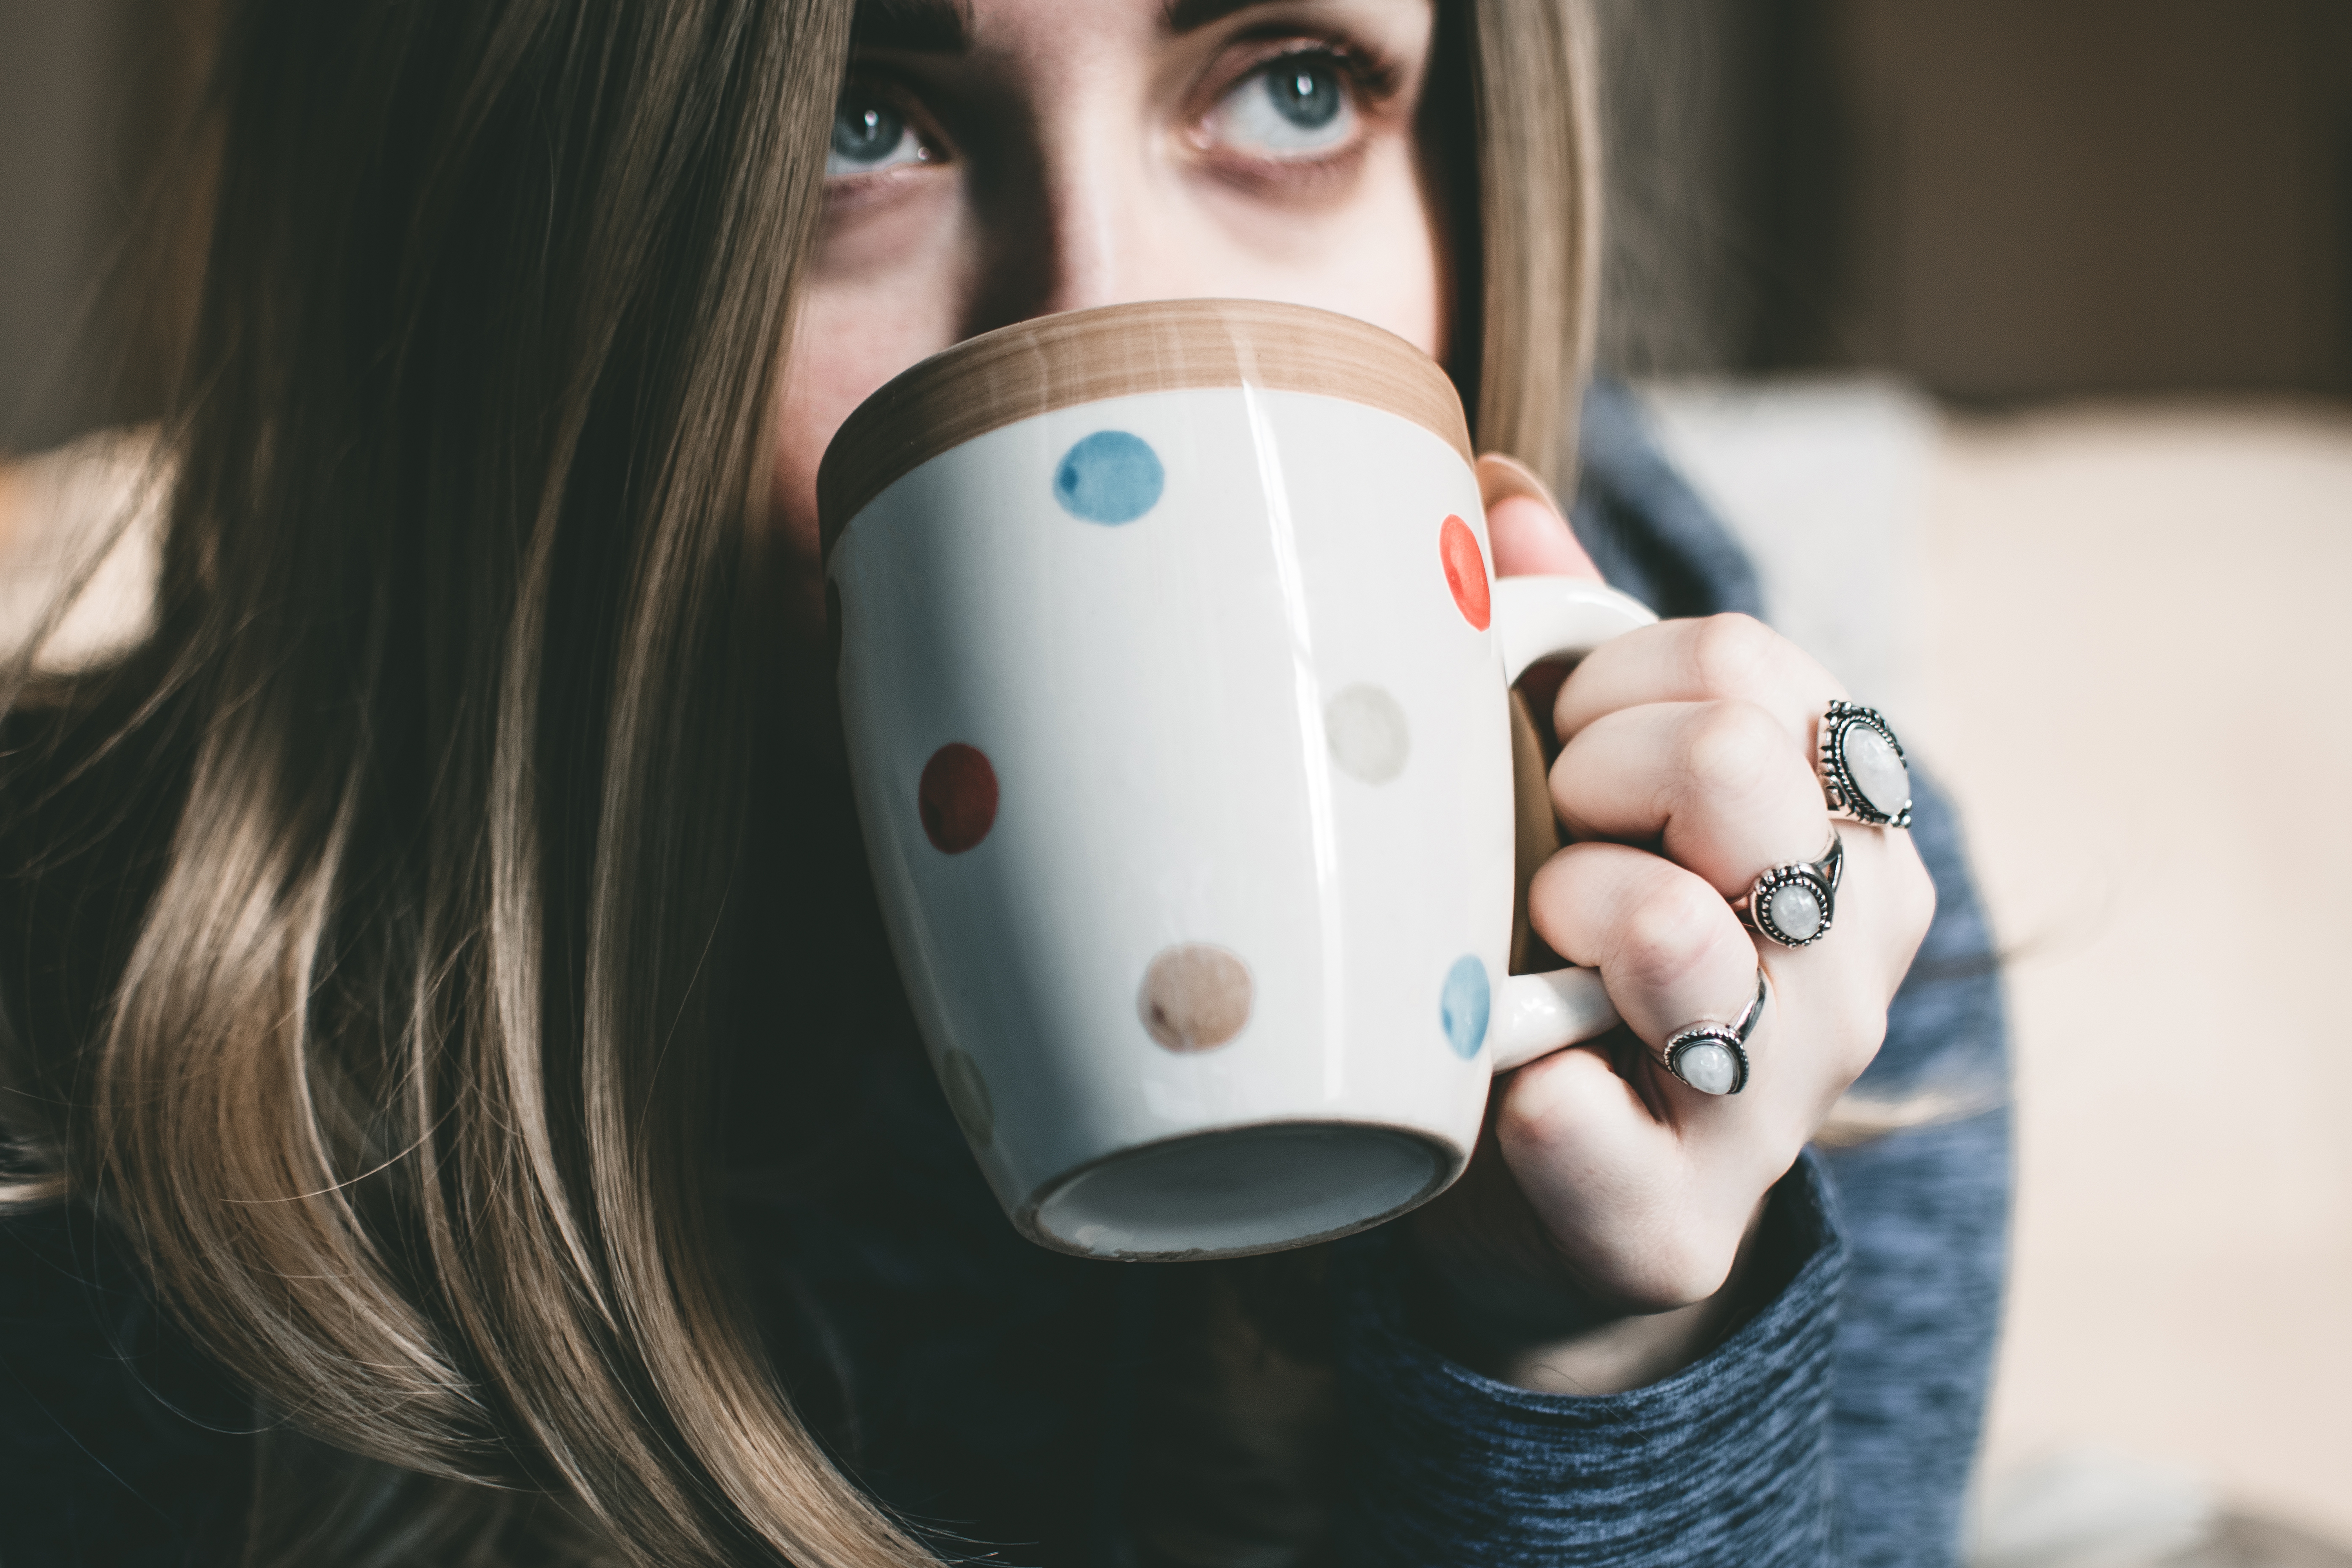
1727, 1461
1926, 1212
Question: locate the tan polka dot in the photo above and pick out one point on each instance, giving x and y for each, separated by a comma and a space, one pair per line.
1195, 997
967, 1094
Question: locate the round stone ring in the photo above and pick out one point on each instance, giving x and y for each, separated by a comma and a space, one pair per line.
1713, 1057
1861, 767
1793, 904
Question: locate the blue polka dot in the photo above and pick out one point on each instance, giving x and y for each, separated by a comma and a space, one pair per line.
1462, 1006
1109, 477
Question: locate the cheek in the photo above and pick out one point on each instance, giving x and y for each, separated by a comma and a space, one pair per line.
815, 401
856, 328
1407, 271
822, 377
1373, 252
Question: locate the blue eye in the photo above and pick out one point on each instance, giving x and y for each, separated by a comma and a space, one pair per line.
1306, 94
868, 134
1292, 108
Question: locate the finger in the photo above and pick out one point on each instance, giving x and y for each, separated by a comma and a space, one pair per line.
1525, 525
1619, 1190
1720, 786
1669, 949
1672, 955
1721, 657
1885, 903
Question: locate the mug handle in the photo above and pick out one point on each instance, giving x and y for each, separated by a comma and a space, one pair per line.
1537, 618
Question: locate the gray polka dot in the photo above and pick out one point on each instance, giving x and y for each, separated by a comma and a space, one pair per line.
1194, 998
967, 1094
1368, 734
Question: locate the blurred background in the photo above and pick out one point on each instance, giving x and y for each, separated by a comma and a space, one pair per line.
2016, 338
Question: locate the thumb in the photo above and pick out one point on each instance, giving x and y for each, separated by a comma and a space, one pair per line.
1530, 536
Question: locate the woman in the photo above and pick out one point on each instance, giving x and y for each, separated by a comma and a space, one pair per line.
426, 929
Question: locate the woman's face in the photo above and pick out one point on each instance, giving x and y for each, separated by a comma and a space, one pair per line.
994, 160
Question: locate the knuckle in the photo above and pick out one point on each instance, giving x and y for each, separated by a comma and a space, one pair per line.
1733, 653
1671, 933
1733, 749
1902, 900
1915, 910
1833, 1025
1552, 892
1528, 1117
1542, 1115
1856, 1038
1673, 1270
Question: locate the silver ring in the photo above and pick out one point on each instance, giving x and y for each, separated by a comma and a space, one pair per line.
1793, 904
1861, 767
1713, 1057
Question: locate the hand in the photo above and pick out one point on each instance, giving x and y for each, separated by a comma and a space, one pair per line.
1598, 1228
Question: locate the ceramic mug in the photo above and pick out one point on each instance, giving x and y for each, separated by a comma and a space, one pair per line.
1174, 677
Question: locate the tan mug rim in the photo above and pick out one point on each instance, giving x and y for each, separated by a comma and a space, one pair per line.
1051, 363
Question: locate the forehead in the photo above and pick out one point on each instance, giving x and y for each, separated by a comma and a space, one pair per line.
947, 26
927, 27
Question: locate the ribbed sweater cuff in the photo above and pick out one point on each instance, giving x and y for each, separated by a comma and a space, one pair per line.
1726, 1461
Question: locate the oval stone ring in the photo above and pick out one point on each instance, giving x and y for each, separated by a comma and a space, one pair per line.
1713, 1057
1793, 904
1861, 767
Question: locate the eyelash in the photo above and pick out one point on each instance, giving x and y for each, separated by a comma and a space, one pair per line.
1375, 80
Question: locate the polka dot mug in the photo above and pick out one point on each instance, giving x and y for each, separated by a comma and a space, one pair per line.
1174, 677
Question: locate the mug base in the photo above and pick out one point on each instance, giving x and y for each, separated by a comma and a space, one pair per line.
1239, 1190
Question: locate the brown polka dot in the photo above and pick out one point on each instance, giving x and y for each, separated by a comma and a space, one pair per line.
967, 1094
957, 798
1195, 997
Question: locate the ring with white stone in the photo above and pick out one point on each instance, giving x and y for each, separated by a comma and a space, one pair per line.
1793, 904
1713, 1057
1861, 767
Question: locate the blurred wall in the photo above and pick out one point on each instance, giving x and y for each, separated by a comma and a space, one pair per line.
56, 130
2060, 196
97, 99
2000, 198
1692, 108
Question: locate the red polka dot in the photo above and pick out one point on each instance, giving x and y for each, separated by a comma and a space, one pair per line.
957, 798
1465, 571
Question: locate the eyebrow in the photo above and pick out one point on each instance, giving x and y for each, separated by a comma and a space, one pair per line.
1184, 16
917, 26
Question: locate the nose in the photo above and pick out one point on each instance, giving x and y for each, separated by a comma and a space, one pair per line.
1081, 220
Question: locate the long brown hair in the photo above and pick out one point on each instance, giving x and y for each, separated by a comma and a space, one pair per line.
401, 1079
